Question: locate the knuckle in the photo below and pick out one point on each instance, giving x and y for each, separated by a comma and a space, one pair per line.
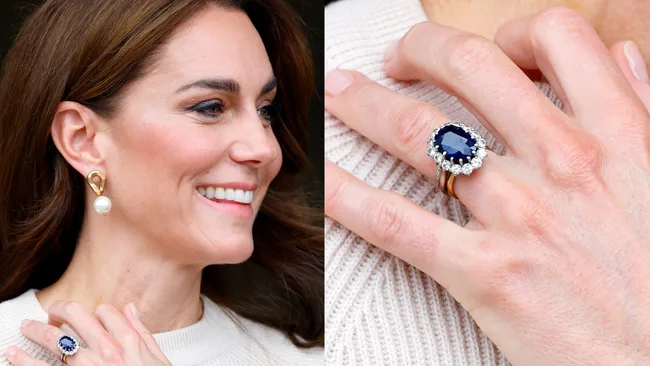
335, 198
132, 339
385, 219
466, 54
578, 162
112, 352
412, 125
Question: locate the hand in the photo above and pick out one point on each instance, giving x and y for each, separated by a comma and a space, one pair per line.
113, 338
553, 266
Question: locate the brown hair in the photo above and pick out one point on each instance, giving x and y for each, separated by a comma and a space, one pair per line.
87, 52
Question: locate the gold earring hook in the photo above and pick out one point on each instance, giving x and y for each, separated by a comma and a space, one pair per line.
99, 190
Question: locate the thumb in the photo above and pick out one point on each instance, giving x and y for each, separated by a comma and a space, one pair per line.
630, 61
131, 313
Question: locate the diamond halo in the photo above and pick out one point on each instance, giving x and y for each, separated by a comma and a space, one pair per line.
461, 166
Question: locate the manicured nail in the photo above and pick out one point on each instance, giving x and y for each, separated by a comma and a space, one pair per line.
24, 323
337, 81
635, 59
390, 51
134, 311
10, 352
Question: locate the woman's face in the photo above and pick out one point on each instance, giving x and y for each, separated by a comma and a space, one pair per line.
197, 126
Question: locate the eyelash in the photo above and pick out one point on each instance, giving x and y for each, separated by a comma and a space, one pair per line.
213, 109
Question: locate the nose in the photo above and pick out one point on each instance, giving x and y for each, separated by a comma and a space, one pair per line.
255, 143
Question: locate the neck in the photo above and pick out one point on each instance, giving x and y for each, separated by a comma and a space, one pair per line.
115, 266
613, 20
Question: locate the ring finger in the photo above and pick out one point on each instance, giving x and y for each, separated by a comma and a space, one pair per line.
402, 126
48, 336
484, 79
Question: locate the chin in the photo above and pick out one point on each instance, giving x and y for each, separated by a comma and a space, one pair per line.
231, 251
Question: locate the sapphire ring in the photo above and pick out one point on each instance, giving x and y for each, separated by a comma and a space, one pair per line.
457, 149
68, 346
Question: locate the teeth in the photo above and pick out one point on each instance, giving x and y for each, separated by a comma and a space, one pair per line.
240, 196
209, 192
219, 193
237, 195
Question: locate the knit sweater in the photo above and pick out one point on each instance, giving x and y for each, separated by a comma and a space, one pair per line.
379, 309
214, 340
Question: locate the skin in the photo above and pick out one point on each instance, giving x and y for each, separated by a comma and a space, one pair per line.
557, 274
613, 20
150, 249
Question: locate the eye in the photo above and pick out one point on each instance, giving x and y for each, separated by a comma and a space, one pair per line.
209, 109
268, 112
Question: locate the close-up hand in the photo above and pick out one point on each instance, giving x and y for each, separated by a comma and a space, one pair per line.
553, 265
112, 338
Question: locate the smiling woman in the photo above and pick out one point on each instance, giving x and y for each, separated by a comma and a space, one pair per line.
153, 159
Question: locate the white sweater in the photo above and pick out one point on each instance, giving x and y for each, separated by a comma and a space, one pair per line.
214, 340
380, 310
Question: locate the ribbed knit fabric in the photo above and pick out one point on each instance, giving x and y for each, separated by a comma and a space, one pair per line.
215, 340
380, 310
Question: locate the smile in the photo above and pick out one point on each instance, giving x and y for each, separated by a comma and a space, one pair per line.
226, 194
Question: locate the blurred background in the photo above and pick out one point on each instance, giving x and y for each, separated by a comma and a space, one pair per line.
14, 12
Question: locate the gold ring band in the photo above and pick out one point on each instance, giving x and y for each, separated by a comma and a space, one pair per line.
63, 357
442, 180
450, 185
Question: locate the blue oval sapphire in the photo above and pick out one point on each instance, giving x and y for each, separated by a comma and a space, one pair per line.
456, 142
67, 344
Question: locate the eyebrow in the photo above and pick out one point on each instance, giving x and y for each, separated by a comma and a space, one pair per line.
226, 85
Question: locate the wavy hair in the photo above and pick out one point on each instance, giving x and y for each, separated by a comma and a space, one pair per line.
108, 45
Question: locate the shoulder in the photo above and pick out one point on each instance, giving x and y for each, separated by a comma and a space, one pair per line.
266, 345
12, 313
271, 346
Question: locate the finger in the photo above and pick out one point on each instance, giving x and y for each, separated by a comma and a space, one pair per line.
118, 327
48, 336
131, 314
522, 54
630, 61
569, 51
435, 245
77, 317
402, 126
485, 80
19, 357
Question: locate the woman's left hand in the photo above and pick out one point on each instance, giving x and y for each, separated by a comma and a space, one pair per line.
113, 338
555, 265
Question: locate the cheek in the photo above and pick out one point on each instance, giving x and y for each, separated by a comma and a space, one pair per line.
275, 166
168, 147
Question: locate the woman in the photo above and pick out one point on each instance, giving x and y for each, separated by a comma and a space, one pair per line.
152, 157
550, 267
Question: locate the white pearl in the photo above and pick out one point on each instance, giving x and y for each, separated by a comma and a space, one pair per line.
102, 205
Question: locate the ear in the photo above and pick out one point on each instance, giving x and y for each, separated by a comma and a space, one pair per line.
77, 134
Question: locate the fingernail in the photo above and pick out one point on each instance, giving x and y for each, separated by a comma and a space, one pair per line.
390, 51
11, 352
134, 311
337, 81
24, 323
635, 59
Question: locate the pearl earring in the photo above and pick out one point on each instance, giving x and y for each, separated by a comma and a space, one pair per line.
102, 204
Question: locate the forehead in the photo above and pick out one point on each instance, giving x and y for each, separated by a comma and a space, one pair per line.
218, 42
